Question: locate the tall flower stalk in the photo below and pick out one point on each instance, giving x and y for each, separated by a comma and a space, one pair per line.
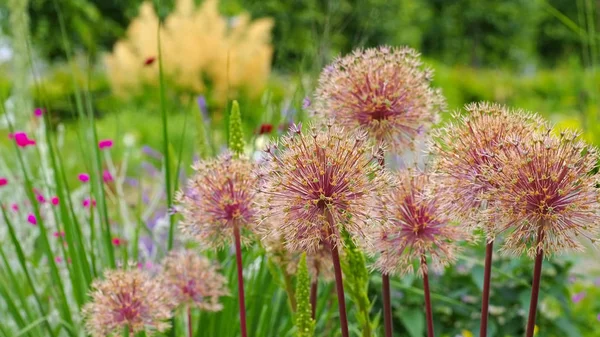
321, 184
419, 226
385, 92
462, 151
546, 193
220, 202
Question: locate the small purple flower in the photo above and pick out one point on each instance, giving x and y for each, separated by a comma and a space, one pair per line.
306, 102
201, 100
598, 317
149, 151
578, 297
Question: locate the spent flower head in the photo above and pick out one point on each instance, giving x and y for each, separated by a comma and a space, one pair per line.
419, 226
384, 91
194, 280
463, 149
545, 194
319, 182
127, 299
220, 196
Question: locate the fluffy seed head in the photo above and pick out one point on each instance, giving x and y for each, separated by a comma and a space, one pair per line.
384, 91
127, 299
220, 195
462, 150
418, 226
319, 183
546, 192
193, 280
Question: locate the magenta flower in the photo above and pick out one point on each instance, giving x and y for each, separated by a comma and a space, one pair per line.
3, 182
55, 201
117, 241
15, 207
58, 259
106, 176
21, 139
59, 234
578, 297
40, 198
32, 219
89, 202
105, 144
38, 112
84, 177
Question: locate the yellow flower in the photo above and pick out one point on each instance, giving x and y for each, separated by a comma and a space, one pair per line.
466, 333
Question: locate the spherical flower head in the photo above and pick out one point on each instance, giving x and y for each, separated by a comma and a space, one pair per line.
384, 91
194, 280
419, 226
318, 183
462, 150
545, 195
127, 299
220, 196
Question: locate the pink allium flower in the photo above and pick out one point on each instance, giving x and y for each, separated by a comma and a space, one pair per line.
106, 176
32, 219
320, 184
545, 195
418, 227
38, 112
55, 201
576, 298
21, 139
84, 177
193, 280
385, 92
219, 196
105, 144
465, 148
3, 182
127, 299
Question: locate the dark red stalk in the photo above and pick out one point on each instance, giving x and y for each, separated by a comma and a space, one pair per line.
535, 286
339, 283
387, 305
485, 300
189, 318
240, 276
313, 297
428, 313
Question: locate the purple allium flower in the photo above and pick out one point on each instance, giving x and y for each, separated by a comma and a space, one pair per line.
193, 280
464, 149
418, 227
321, 178
545, 192
127, 299
384, 91
576, 298
218, 197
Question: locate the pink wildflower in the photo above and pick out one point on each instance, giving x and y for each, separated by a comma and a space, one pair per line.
40, 198
3, 182
15, 207
84, 177
55, 201
21, 139
106, 176
578, 297
32, 219
105, 144
89, 202
38, 112
59, 234
58, 259
117, 241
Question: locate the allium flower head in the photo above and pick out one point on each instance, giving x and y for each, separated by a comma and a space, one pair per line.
384, 91
221, 195
464, 149
127, 299
193, 280
419, 226
545, 191
325, 177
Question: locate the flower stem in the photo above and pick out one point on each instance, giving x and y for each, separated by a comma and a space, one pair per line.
428, 314
335, 256
313, 297
240, 275
189, 321
535, 286
485, 300
387, 305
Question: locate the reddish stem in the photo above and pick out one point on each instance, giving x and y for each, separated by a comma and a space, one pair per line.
189, 321
535, 286
485, 300
387, 305
313, 297
240, 275
335, 256
428, 313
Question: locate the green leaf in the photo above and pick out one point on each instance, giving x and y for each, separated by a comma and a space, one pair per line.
413, 321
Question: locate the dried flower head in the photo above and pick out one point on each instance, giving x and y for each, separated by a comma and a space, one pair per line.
464, 148
418, 226
319, 183
545, 195
193, 280
384, 91
219, 196
127, 299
